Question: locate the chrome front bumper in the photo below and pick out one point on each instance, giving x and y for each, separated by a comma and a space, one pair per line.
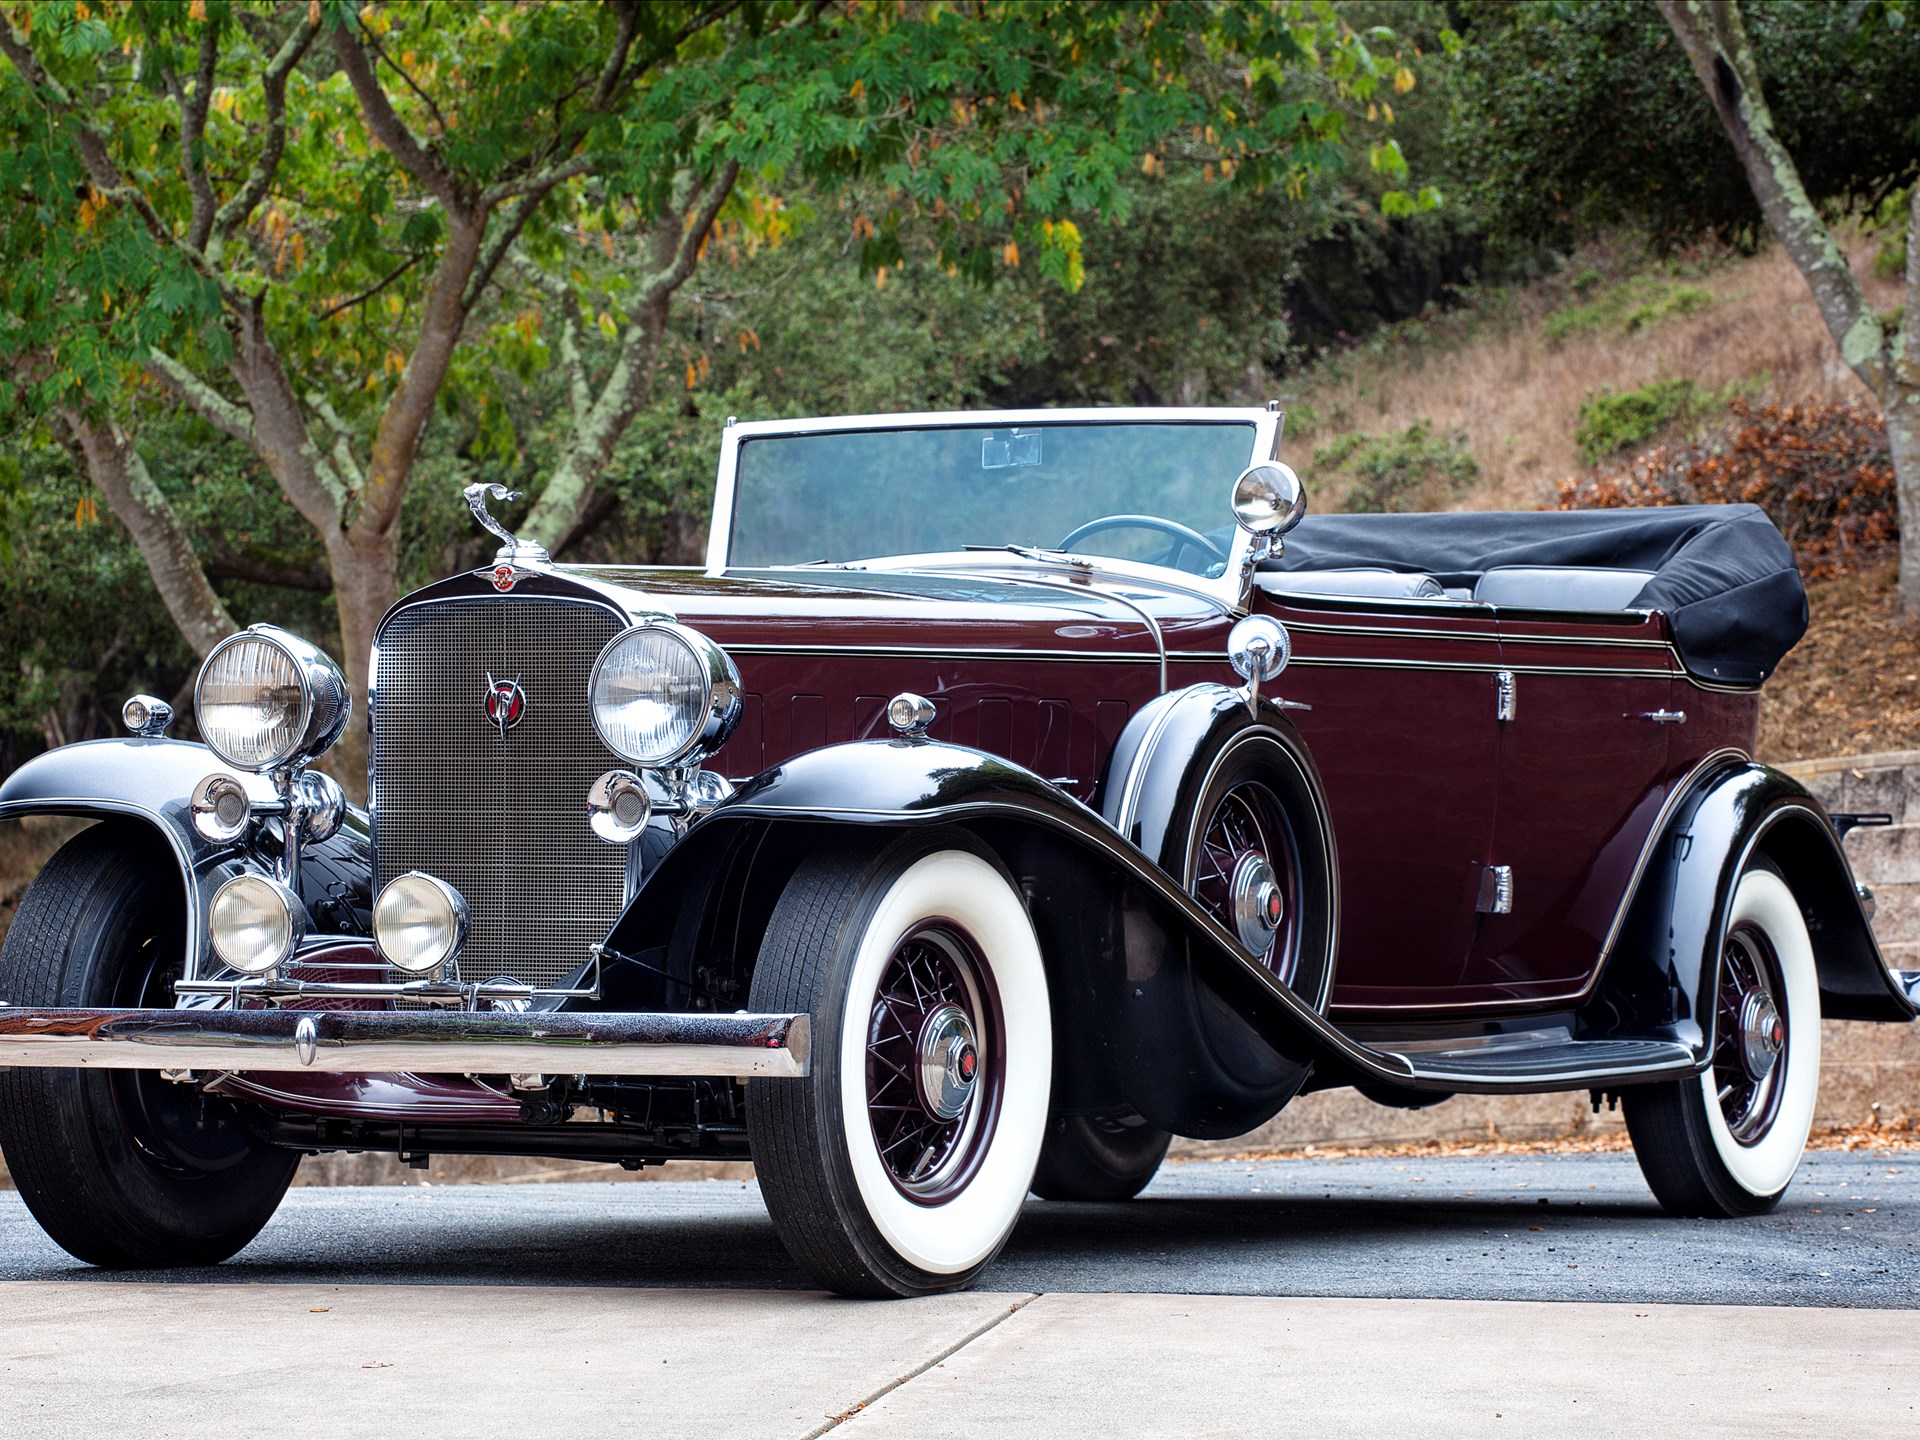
434, 1044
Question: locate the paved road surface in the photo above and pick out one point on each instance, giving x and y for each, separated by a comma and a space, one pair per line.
1549, 1227
668, 1309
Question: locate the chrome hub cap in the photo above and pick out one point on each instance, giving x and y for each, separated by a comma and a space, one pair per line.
1258, 905
1761, 1034
949, 1062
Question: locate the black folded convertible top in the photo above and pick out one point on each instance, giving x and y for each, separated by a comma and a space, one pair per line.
1722, 573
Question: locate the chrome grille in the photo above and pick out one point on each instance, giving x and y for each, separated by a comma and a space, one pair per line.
503, 821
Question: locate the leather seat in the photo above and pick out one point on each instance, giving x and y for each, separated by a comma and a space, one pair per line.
1561, 587
1367, 583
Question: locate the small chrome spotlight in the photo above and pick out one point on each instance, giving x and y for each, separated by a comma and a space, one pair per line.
255, 923
910, 714
146, 716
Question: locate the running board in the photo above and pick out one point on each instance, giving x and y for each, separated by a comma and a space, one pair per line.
1536, 1060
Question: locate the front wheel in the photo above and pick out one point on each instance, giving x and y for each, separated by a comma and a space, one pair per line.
121, 1168
898, 1165
1727, 1142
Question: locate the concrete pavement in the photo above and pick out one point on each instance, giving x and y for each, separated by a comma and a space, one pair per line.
211, 1362
669, 1309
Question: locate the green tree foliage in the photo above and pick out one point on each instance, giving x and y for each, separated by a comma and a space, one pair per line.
1573, 113
320, 225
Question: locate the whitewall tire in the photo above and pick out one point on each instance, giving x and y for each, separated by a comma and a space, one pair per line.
898, 1166
1728, 1141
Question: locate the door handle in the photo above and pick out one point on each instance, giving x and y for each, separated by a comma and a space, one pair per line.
1666, 717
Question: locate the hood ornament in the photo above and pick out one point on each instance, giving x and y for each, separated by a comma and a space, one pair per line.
513, 549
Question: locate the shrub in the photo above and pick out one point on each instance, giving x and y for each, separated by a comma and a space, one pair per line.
1684, 301
1822, 472
1631, 306
1413, 470
1613, 421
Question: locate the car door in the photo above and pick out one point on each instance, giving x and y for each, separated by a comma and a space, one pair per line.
1583, 774
1402, 729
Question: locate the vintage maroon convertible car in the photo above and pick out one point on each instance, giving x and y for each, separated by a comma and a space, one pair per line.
999, 799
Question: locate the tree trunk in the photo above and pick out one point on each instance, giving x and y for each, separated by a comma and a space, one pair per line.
366, 582
120, 475
1714, 36
1901, 404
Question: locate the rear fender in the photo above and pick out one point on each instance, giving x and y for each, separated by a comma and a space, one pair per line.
1663, 976
147, 782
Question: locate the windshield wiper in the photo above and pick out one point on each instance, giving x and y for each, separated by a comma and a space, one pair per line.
1035, 552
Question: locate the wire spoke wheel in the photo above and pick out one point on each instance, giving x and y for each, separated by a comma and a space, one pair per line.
1750, 1035
1246, 873
931, 1053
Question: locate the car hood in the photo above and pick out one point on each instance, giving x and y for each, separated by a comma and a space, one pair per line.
913, 610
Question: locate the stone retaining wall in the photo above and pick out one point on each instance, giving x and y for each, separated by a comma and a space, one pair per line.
1866, 1070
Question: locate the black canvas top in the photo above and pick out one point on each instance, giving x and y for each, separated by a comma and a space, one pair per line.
1722, 573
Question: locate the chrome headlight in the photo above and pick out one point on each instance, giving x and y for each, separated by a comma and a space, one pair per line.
662, 694
255, 923
419, 922
266, 698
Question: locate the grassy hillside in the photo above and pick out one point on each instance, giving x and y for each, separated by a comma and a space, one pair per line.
1502, 403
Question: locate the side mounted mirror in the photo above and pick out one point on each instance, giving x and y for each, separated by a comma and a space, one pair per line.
1268, 499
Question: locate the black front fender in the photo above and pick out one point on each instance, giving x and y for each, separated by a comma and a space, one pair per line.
146, 783
895, 784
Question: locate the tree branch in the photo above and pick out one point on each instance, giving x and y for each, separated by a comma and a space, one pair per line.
316, 579
193, 124
223, 414
343, 462
273, 84
121, 477
555, 518
391, 131
91, 145
1715, 39
366, 295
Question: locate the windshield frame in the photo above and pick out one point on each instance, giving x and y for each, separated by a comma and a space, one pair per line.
1226, 588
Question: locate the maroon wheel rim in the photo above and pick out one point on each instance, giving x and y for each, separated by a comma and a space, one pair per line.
934, 990
1247, 824
1750, 1018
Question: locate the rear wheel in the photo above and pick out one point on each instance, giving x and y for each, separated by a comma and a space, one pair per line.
1098, 1157
1727, 1142
899, 1164
120, 1167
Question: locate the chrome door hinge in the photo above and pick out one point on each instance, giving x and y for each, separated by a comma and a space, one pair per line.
1506, 696
1496, 890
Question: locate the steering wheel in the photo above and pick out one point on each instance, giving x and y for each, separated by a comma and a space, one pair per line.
1184, 534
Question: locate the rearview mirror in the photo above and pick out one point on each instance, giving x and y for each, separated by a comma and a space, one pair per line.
1268, 499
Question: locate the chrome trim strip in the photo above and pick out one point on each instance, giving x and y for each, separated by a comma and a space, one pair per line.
1146, 616
1489, 637
921, 652
1488, 667
637, 1043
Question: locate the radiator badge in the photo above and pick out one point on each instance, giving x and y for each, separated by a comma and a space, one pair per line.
503, 577
506, 703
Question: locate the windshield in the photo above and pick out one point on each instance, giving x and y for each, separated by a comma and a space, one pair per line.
1155, 493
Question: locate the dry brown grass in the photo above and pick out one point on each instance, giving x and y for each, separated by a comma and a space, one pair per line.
1852, 685
1496, 375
